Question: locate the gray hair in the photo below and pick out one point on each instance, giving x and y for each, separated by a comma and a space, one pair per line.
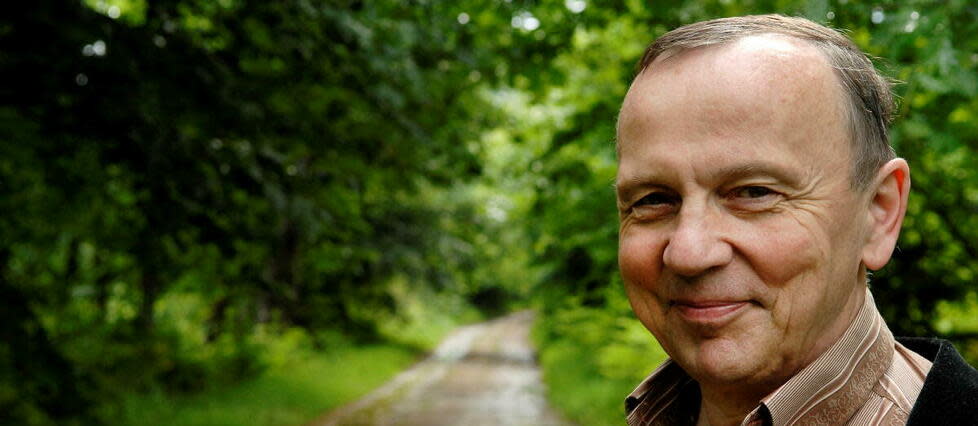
870, 105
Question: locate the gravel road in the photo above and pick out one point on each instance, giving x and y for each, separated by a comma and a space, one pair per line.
482, 374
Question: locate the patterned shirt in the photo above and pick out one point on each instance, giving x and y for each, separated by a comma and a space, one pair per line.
866, 378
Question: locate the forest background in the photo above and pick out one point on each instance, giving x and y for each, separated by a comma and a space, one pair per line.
198, 195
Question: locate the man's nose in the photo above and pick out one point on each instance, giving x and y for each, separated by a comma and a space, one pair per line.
697, 244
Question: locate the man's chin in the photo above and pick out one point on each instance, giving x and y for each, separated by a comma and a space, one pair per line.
724, 363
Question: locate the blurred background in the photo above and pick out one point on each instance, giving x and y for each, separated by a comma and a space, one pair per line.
251, 212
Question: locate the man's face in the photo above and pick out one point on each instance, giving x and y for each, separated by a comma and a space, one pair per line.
741, 238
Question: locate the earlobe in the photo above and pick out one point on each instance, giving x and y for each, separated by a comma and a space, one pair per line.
887, 206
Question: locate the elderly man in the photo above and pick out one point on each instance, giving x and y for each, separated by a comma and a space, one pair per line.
756, 186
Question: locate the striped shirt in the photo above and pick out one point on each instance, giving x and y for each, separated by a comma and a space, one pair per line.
866, 378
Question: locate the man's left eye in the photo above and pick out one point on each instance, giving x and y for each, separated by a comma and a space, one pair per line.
752, 198
753, 192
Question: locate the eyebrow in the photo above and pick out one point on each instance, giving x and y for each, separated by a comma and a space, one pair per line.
759, 168
626, 187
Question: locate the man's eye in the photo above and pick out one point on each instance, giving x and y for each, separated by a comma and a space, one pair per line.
753, 198
753, 192
655, 199
654, 206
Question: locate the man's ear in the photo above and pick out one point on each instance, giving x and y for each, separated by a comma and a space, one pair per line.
887, 206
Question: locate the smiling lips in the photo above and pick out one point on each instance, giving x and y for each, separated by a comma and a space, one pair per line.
709, 311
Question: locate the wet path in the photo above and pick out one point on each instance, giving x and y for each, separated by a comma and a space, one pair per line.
482, 374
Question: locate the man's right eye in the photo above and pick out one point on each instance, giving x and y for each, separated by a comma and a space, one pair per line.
655, 198
654, 205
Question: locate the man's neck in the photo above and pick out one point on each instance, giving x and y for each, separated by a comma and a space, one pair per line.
720, 408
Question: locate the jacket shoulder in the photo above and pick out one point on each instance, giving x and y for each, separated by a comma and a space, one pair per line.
950, 391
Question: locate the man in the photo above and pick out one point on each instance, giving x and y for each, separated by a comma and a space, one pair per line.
756, 186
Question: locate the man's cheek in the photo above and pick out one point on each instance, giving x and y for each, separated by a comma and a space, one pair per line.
639, 260
781, 250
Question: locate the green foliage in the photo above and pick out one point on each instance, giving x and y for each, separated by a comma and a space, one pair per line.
193, 189
185, 183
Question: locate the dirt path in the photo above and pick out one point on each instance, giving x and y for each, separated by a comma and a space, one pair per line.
482, 374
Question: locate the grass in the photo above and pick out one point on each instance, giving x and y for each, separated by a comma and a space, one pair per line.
292, 394
303, 384
591, 360
581, 394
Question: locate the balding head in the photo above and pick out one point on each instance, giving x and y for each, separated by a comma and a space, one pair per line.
868, 101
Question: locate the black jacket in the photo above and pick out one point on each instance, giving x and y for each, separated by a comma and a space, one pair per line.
950, 392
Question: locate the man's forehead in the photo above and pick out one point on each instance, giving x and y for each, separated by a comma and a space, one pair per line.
778, 61
770, 45
752, 76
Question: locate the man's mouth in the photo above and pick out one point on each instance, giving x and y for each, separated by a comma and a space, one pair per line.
709, 311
